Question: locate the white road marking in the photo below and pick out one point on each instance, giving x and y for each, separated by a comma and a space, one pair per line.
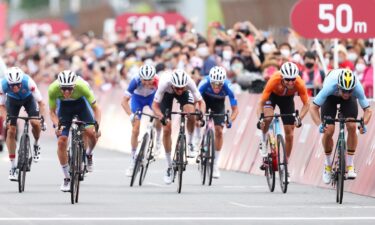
155, 184
188, 219
245, 206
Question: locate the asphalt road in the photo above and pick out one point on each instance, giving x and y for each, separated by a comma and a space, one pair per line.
107, 198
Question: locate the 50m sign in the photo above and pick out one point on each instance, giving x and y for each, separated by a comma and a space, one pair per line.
334, 18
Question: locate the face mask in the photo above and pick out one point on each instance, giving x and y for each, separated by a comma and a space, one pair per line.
267, 48
326, 61
285, 52
309, 65
360, 67
352, 56
368, 50
140, 53
237, 67
227, 55
202, 51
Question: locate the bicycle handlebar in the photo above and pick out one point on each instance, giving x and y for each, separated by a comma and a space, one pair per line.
328, 119
276, 115
227, 120
196, 113
146, 114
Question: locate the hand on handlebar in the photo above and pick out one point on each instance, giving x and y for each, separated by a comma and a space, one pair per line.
322, 128
298, 122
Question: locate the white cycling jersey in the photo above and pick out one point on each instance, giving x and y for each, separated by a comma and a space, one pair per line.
165, 86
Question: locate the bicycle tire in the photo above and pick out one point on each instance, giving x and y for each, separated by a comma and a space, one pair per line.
211, 155
74, 171
149, 157
203, 159
282, 163
139, 159
80, 171
23, 162
341, 173
180, 150
269, 170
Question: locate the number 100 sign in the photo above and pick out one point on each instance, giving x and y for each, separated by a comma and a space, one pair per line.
334, 18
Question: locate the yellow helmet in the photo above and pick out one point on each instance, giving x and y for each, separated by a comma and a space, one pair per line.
347, 80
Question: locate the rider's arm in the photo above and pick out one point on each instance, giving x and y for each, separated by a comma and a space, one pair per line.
156, 109
52, 102
125, 104
197, 95
37, 96
268, 89
54, 117
234, 112
315, 115
302, 91
2, 103
97, 113
232, 100
363, 102
367, 113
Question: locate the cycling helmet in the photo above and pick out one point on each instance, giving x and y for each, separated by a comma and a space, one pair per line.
147, 72
346, 80
179, 78
67, 78
289, 70
218, 74
14, 75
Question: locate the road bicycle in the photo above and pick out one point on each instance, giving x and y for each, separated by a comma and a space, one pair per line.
145, 155
276, 160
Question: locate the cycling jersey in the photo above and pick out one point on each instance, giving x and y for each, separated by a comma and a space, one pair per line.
165, 86
330, 87
136, 87
81, 89
28, 88
205, 88
274, 85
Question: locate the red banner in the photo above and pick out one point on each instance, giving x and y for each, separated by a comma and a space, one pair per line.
30, 28
3, 20
147, 24
334, 18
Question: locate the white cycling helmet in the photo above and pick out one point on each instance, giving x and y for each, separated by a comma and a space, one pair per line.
147, 72
289, 70
346, 80
67, 78
14, 75
217, 74
179, 78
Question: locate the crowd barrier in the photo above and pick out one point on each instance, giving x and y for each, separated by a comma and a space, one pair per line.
240, 150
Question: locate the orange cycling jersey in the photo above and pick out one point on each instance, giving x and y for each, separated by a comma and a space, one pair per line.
274, 85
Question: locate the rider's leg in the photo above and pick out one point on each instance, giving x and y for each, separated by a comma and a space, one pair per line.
36, 129
134, 138
63, 154
327, 142
218, 142
351, 142
11, 144
289, 131
189, 108
90, 136
167, 142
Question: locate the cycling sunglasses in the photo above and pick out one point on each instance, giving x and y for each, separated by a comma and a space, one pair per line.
15, 85
290, 79
67, 88
179, 88
346, 91
217, 84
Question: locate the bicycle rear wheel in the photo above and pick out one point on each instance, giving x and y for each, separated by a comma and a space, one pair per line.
282, 163
180, 161
340, 172
23, 162
210, 155
74, 174
149, 157
139, 159
269, 170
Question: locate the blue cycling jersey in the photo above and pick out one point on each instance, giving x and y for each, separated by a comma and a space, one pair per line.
22, 94
330, 87
205, 88
136, 87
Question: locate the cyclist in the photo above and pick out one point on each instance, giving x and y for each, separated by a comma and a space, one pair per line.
280, 90
141, 92
214, 88
19, 89
177, 85
342, 87
71, 95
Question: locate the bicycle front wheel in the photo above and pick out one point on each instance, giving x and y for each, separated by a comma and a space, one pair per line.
340, 173
210, 155
180, 161
282, 163
23, 162
203, 159
149, 145
74, 174
139, 159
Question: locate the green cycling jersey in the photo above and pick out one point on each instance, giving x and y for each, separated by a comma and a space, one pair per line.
81, 89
